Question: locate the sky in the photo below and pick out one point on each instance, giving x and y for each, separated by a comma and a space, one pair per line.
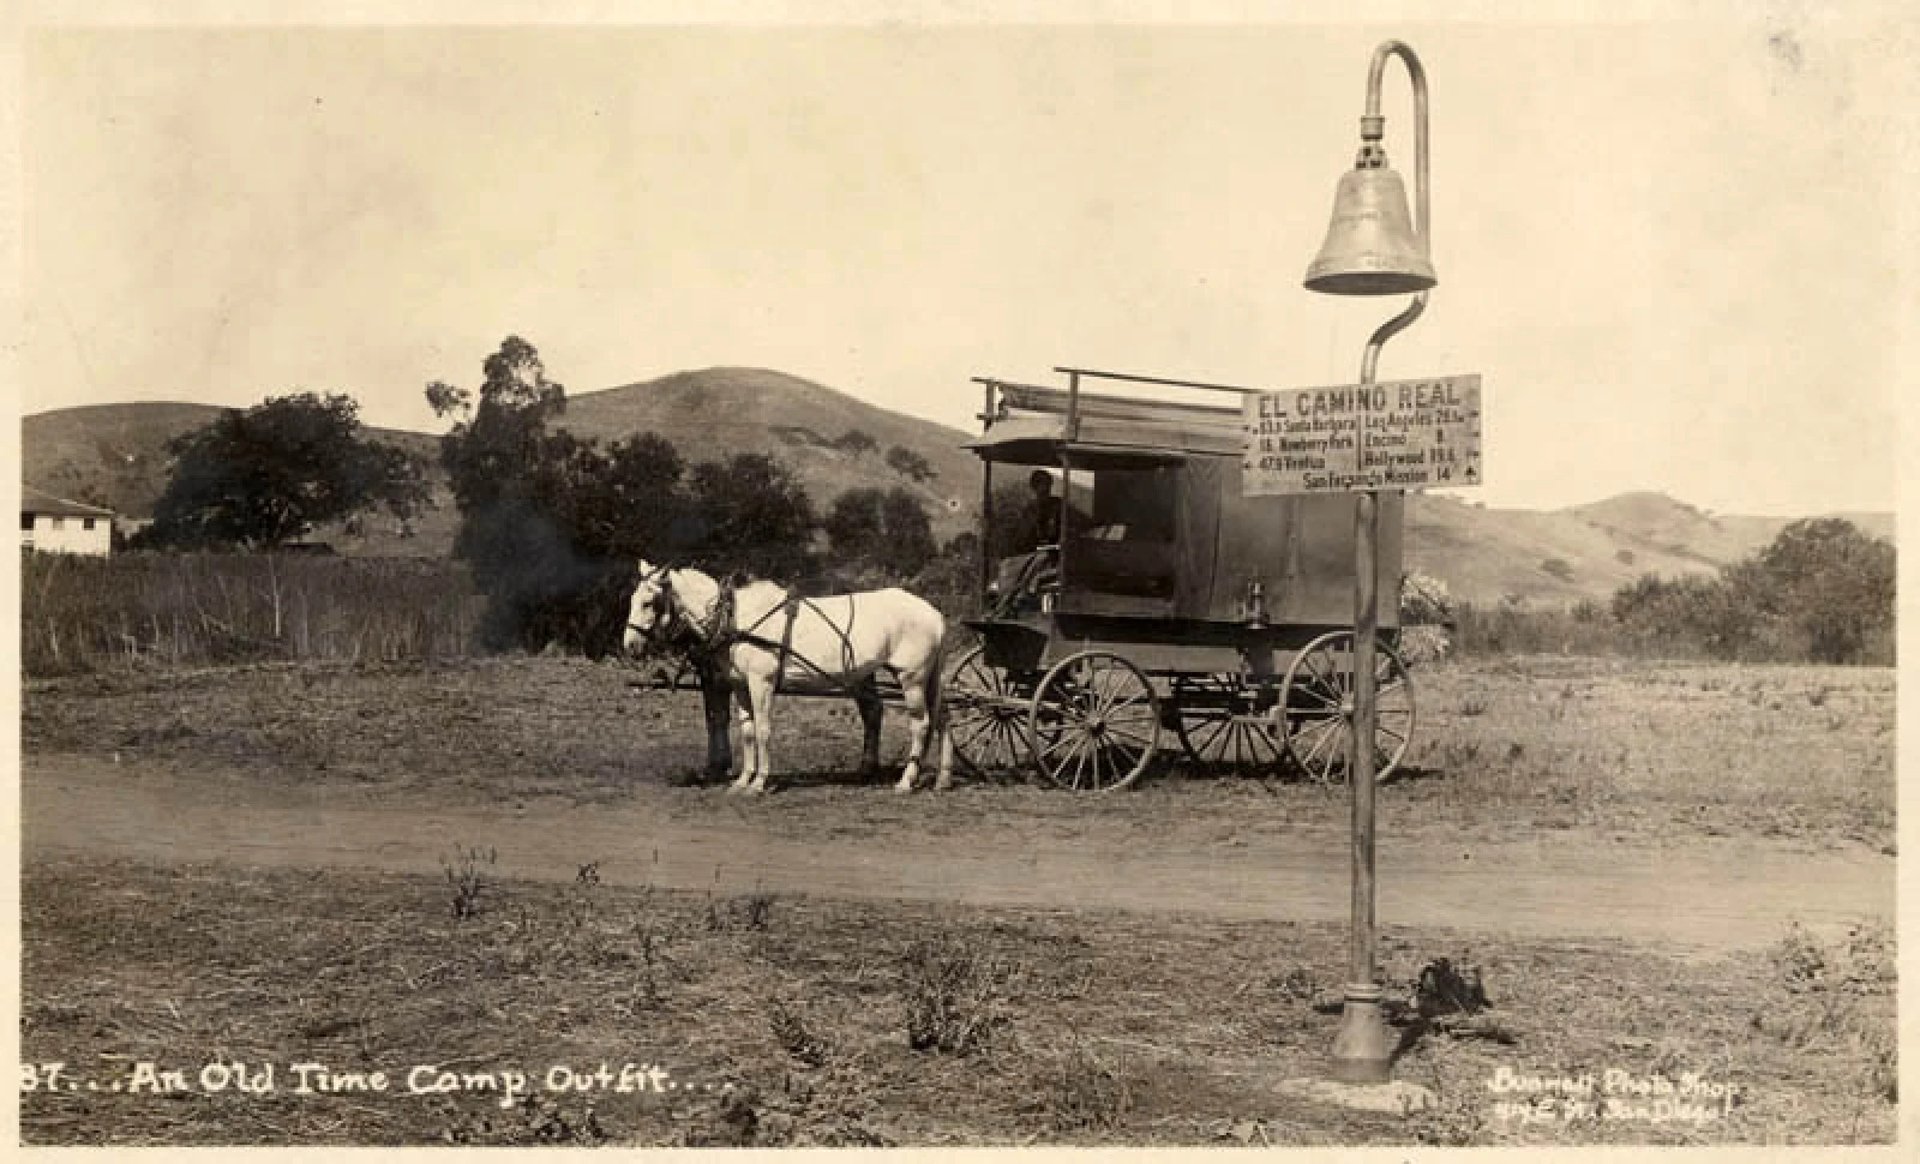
1671, 247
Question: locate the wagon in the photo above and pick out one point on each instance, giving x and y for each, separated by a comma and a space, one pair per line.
1167, 610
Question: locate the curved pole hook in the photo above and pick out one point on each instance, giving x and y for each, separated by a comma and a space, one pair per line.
1372, 127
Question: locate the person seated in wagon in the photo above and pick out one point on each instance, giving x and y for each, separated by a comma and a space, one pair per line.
1035, 543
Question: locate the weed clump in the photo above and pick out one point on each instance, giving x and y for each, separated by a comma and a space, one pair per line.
469, 873
956, 995
533, 1121
797, 1037
1079, 1089
751, 912
1836, 998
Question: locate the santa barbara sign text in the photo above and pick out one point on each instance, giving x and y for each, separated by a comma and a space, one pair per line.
1402, 434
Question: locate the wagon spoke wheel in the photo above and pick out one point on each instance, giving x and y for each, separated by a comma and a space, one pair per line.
1095, 722
987, 716
1320, 709
1229, 728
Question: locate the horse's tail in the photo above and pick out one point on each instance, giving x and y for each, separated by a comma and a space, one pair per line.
936, 682
932, 690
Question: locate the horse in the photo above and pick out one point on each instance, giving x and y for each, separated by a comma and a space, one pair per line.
768, 639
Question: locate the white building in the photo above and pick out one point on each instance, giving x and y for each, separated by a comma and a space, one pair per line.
55, 525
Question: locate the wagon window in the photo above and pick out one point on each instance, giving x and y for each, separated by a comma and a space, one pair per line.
1133, 505
1126, 546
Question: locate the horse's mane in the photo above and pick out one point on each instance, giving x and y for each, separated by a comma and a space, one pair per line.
755, 590
759, 587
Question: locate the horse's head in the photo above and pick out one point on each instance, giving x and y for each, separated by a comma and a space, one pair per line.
650, 611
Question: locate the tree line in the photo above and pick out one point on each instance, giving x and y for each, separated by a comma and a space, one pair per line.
550, 523
1822, 591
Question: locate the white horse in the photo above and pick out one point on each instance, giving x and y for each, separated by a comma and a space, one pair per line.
770, 639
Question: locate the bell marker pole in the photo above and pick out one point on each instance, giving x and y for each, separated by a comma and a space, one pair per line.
1369, 252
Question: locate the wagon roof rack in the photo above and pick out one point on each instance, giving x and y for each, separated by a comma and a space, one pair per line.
1032, 423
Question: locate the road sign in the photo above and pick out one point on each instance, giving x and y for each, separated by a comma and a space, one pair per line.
1400, 434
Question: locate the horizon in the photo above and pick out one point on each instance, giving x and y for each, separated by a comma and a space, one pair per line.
220, 215
1464, 496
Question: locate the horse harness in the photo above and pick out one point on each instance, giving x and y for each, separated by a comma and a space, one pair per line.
708, 638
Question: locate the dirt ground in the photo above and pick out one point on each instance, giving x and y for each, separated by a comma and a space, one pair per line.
1669, 821
1714, 898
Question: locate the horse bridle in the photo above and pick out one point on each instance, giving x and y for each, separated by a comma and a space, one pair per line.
671, 621
661, 603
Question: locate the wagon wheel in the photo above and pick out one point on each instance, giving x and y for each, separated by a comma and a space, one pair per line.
986, 717
1320, 708
1230, 726
1095, 722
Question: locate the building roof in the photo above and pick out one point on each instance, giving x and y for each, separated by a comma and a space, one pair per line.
34, 501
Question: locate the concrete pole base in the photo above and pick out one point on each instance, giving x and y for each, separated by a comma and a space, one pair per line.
1363, 1046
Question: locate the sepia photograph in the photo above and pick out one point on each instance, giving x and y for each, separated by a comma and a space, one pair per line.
937, 576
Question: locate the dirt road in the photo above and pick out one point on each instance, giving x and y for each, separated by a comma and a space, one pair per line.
1709, 898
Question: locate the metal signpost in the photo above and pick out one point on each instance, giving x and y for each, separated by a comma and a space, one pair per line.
1363, 438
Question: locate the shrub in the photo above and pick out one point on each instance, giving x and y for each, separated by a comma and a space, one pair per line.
910, 464
1079, 1088
887, 530
1821, 592
1426, 619
956, 995
1424, 600
796, 1036
470, 879
1838, 997
855, 441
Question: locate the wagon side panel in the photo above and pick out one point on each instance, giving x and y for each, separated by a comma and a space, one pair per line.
1302, 551
1198, 524
1258, 539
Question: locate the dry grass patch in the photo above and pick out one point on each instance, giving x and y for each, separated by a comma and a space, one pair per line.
1086, 1029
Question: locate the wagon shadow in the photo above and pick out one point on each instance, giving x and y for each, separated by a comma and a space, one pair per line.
839, 776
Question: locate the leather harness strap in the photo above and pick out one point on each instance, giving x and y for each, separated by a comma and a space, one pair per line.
709, 637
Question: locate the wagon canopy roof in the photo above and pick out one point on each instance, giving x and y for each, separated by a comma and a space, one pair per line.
1032, 429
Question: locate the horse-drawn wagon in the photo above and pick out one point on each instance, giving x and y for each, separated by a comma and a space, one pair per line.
1168, 608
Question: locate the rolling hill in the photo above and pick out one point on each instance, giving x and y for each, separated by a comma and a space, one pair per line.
718, 412
106, 454
1544, 558
116, 455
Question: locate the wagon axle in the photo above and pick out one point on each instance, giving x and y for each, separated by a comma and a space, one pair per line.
1094, 721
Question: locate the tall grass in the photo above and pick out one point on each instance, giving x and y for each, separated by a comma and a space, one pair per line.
1583, 630
86, 614
1588, 629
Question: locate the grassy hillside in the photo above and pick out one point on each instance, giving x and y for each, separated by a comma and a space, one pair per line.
1544, 558
116, 455
718, 412
108, 454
